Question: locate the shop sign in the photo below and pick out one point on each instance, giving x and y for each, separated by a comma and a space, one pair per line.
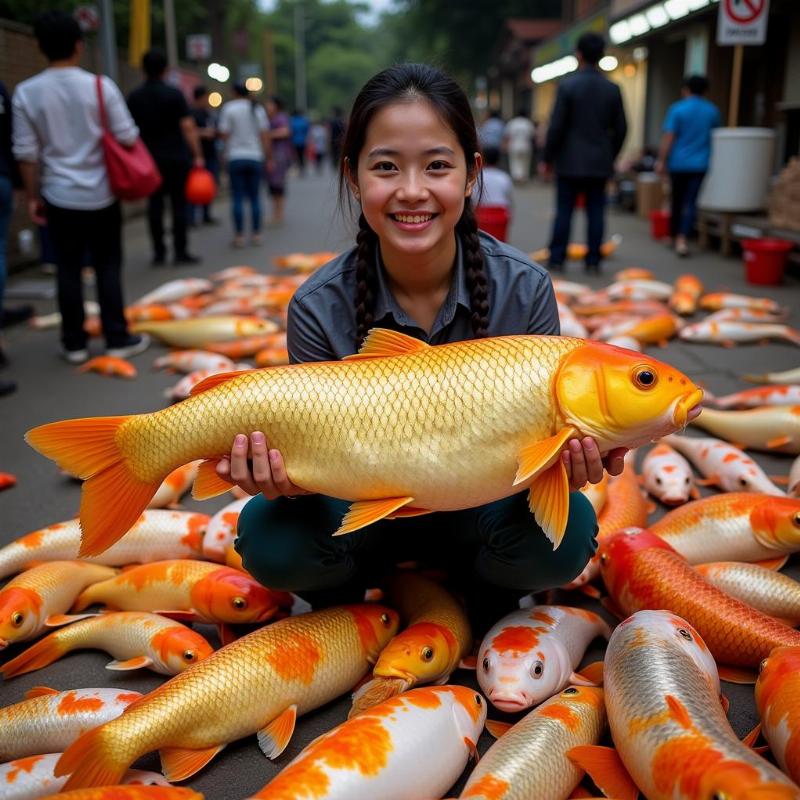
742, 22
564, 44
198, 47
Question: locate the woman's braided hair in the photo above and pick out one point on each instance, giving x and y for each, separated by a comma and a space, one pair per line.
405, 83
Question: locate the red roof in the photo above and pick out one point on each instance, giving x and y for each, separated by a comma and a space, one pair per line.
533, 30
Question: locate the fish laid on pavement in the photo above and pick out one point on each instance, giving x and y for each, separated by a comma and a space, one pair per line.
757, 397
723, 464
769, 591
157, 535
668, 476
748, 315
532, 654
789, 376
200, 331
135, 639
669, 728
414, 745
172, 291
187, 361
109, 365
174, 486
48, 721
729, 333
655, 290
774, 428
31, 778
221, 530
7, 480
244, 348
642, 571
737, 526
436, 637
686, 293
262, 681
393, 429
28, 600
718, 300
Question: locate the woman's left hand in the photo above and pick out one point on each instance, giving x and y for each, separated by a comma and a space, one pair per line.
584, 464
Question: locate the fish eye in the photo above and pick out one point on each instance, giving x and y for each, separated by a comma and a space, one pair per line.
763, 665
485, 664
537, 670
385, 619
645, 378
478, 700
796, 519
686, 635
658, 480
720, 796
743, 482
239, 602
426, 653
17, 618
687, 480
570, 690
189, 655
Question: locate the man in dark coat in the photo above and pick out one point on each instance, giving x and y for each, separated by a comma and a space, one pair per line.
586, 132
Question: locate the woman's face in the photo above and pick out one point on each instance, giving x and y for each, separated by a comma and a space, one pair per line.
413, 180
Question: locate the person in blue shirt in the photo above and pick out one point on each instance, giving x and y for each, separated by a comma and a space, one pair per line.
685, 152
299, 124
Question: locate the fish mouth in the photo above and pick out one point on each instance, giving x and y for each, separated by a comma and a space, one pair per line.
398, 674
688, 408
511, 704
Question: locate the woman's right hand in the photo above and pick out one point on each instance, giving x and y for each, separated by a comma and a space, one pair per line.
267, 473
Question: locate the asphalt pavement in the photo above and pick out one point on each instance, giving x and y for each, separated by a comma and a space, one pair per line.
49, 389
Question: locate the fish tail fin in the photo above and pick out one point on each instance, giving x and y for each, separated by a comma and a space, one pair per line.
44, 652
113, 497
376, 691
93, 760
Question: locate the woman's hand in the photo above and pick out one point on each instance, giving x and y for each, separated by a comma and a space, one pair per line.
266, 474
582, 459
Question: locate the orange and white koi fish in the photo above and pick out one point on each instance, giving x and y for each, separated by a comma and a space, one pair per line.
738, 526
626, 342
718, 300
576, 251
570, 324
637, 308
414, 745
48, 721
244, 348
667, 476
634, 274
304, 262
747, 315
32, 777
190, 360
7, 480
569, 288
109, 365
686, 293
414, 458
531, 758
263, 681
28, 600
207, 591
430, 648
640, 290
532, 654
772, 428
200, 331
149, 313
769, 591
729, 333
185, 386
789, 376
131, 793
174, 486
758, 397
669, 728
642, 571
135, 639
172, 291
272, 357
156, 536
221, 530
724, 465
231, 273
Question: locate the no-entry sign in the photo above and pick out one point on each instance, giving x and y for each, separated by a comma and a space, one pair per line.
742, 21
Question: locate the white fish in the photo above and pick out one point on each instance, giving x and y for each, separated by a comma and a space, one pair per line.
757, 397
187, 361
788, 376
727, 333
175, 485
569, 288
746, 315
626, 342
221, 529
172, 291
640, 289
668, 476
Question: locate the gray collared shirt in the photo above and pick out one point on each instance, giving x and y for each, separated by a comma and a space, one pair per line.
322, 313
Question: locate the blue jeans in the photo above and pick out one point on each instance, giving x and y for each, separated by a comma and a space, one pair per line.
246, 183
6, 195
685, 188
567, 191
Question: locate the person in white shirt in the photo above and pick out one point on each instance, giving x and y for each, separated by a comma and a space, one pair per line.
519, 137
57, 134
244, 126
497, 189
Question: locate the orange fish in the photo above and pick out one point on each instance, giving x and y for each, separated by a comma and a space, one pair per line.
272, 357
634, 274
109, 365
718, 300
131, 793
174, 486
686, 294
304, 262
7, 480
244, 348
151, 312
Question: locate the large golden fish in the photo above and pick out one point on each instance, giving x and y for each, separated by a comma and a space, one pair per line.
400, 428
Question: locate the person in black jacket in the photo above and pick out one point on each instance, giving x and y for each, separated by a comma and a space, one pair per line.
586, 132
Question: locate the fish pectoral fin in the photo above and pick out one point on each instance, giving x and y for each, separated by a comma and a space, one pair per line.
736, 674
751, 738
274, 738
773, 563
402, 513
497, 728
208, 484
590, 675
548, 500
226, 634
472, 747
538, 456
40, 691
604, 766
179, 615
365, 512
468, 662
212, 381
56, 620
178, 764
139, 662
381, 342
375, 691
779, 441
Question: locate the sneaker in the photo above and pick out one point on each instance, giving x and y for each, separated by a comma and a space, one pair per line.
135, 345
682, 249
186, 259
75, 356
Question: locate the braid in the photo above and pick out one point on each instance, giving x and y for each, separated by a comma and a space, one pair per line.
365, 279
467, 228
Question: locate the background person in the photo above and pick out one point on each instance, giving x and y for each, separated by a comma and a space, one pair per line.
319, 142
299, 125
518, 140
685, 153
282, 150
206, 123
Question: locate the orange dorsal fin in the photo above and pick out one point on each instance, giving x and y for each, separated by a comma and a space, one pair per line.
381, 342
605, 768
497, 728
538, 456
736, 674
274, 738
178, 764
215, 380
365, 512
548, 501
773, 563
208, 484
40, 691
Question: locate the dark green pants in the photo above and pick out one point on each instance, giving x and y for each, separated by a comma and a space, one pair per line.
287, 544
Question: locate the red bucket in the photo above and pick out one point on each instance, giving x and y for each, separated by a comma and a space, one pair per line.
765, 260
659, 224
493, 220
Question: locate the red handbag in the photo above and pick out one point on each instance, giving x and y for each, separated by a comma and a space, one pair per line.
132, 172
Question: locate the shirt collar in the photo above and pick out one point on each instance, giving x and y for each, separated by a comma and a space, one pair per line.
385, 302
